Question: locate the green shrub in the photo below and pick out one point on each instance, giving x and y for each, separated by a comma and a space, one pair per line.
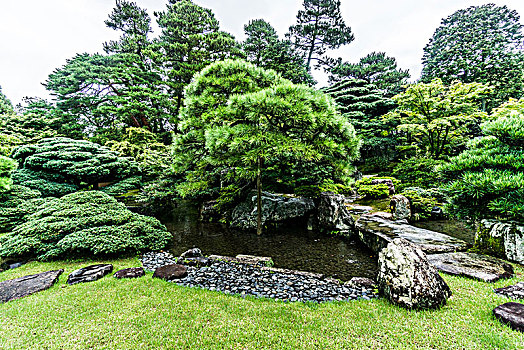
7, 165
313, 191
83, 224
487, 180
365, 187
58, 166
418, 172
16, 204
422, 203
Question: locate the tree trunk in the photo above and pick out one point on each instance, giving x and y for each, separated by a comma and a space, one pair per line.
259, 197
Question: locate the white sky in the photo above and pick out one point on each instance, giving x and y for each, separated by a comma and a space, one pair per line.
37, 36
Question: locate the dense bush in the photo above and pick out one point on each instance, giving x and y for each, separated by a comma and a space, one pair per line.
487, 180
83, 224
418, 172
16, 204
7, 165
366, 188
422, 202
60, 165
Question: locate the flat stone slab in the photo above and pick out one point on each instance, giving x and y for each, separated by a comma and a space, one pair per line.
511, 314
244, 259
513, 292
132, 272
170, 272
89, 273
24, 286
377, 232
472, 265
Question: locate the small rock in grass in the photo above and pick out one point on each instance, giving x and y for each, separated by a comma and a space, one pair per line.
511, 314
132, 272
89, 273
170, 272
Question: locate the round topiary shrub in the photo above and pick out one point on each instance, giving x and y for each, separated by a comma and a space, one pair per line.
83, 224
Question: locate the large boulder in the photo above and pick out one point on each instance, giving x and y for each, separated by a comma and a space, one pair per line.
333, 214
504, 240
400, 207
24, 286
377, 232
407, 279
472, 265
276, 209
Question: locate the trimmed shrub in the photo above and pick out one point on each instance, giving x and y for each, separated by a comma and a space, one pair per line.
83, 224
7, 165
16, 204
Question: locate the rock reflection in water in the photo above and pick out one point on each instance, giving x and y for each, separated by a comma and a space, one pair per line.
290, 248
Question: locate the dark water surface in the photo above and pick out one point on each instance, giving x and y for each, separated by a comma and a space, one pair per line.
290, 248
454, 228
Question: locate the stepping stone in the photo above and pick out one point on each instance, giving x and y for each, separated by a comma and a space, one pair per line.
377, 232
132, 272
472, 265
89, 273
170, 272
513, 292
511, 314
24, 286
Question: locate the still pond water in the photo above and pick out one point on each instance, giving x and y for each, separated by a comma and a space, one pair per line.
290, 248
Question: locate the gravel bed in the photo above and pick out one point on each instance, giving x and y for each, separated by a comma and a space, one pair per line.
243, 279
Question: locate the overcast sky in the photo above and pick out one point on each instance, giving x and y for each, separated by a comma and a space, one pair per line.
37, 36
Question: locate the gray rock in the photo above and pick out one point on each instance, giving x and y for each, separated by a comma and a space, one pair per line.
376, 232
276, 209
198, 261
504, 240
359, 209
472, 265
24, 286
132, 272
407, 279
191, 253
400, 207
89, 273
333, 214
170, 272
513, 292
511, 314
388, 182
361, 282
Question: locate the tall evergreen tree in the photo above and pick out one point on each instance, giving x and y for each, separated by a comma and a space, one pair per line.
478, 44
362, 104
263, 48
190, 39
320, 27
375, 68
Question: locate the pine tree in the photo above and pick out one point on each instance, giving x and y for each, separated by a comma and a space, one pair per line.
320, 27
375, 68
263, 48
6, 107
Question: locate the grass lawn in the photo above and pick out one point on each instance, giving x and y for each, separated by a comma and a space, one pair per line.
153, 314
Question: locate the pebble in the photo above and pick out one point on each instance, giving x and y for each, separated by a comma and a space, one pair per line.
242, 279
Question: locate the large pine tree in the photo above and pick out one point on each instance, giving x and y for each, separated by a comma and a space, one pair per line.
320, 27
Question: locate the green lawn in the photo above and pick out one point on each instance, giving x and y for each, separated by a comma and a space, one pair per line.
153, 314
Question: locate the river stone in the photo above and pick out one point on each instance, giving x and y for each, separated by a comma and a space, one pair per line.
359, 209
24, 286
191, 253
407, 279
170, 272
513, 292
198, 261
376, 232
400, 207
89, 273
276, 210
132, 272
361, 282
504, 240
472, 265
333, 214
511, 314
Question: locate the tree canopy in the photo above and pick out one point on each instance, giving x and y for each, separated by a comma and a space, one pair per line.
319, 28
437, 119
6, 107
375, 68
479, 44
